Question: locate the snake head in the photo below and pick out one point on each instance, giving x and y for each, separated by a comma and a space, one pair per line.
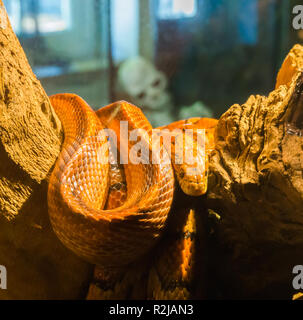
192, 179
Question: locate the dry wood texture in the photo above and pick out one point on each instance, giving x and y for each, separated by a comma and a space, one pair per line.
38, 266
256, 187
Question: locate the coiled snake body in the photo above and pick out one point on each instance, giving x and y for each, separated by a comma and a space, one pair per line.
107, 213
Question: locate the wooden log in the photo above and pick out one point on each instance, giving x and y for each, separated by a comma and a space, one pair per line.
38, 266
256, 189
292, 64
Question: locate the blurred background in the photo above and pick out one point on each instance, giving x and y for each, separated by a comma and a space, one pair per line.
173, 58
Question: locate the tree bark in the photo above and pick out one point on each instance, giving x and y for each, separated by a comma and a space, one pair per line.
38, 266
256, 189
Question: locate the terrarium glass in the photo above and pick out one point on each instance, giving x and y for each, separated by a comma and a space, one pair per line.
198, 57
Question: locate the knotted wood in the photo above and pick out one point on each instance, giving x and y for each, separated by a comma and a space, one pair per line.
256, 188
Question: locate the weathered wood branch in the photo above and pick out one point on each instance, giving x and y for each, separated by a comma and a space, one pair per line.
38, 266
256, 186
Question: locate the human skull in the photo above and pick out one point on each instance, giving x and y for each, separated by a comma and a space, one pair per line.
143, 83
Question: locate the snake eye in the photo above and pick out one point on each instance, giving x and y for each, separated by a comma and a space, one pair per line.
181, 173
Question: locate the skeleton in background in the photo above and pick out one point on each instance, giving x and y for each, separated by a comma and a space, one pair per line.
145, 87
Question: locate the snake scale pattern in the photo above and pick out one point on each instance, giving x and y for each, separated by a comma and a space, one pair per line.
111, 213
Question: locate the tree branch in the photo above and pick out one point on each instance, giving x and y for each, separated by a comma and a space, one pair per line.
256, 187
38, 266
